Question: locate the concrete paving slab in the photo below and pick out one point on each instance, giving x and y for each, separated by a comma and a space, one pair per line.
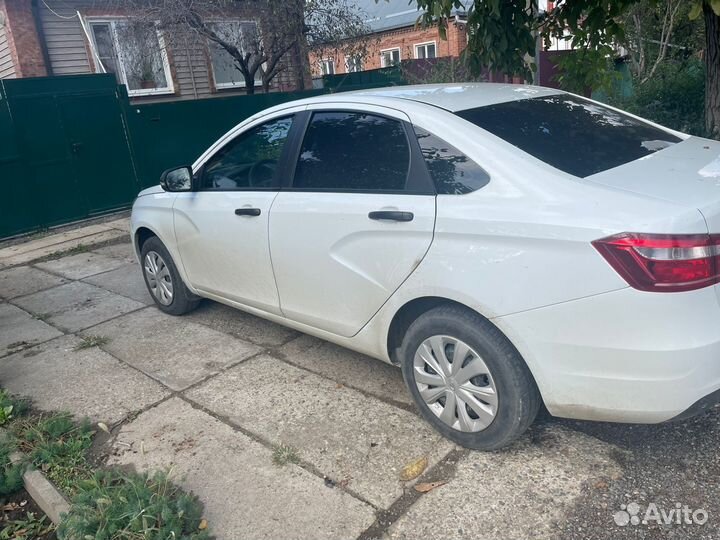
347, 367
173, 350
241, 325
77, 305
31, 253
23, 280
351, 438
127, 280
122, 251
88, 383
245, 495
18, 329
519, 493
81, 265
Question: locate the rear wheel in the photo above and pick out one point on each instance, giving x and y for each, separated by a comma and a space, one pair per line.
163, 280
467, 379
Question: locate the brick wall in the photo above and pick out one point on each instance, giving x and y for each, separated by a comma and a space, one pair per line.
404, 39
23, 38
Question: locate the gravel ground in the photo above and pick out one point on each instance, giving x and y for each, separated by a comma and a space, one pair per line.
668, 465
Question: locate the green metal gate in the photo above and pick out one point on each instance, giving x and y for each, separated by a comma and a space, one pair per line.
68, 155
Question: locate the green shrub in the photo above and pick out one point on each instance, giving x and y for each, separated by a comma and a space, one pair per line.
113, 505
10, 474
674, 97
58, 446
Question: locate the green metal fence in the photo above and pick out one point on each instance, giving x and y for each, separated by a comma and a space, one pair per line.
73, 147
175, 133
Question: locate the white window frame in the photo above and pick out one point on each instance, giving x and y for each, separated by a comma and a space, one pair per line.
112, 21
416, 46
383, 63
238, 84
328, 61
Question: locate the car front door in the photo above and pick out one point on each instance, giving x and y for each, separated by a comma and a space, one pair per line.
356, 220
222, 226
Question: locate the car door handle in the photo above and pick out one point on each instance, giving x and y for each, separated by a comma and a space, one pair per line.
392, 215
247, 211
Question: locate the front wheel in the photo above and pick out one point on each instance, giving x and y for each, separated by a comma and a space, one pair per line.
467, 379
163, 280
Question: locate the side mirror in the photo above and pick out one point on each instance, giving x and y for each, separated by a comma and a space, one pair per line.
177, 179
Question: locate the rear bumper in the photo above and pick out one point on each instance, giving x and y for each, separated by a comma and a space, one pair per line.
624, 356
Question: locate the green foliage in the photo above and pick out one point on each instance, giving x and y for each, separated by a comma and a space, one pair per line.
674, 97
57, 446
88, 342
29, 528
11, 407
284, 454
10, 474
113, 505
588, 69
696, 8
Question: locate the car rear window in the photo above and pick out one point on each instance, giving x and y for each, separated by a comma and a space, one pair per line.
569, 133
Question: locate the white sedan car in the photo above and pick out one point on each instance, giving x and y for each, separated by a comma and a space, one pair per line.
506, 246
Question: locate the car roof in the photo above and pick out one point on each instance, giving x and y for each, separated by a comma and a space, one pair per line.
451, 96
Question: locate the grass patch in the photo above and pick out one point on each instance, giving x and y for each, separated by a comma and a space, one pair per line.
30, 527
10, 474
118, 505
88, 342
57, 446
42, 316
75, 250
284, 454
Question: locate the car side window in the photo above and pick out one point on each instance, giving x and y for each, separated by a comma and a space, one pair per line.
347, 151
248, 161
452, 171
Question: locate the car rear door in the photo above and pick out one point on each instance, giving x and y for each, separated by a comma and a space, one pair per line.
222, 226
355, 220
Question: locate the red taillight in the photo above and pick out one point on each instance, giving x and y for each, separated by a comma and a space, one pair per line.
662, 262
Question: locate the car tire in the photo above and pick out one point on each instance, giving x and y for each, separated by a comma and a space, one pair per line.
488, 410
163, 280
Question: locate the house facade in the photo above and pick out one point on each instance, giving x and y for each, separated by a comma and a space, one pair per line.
395, 38
69, 37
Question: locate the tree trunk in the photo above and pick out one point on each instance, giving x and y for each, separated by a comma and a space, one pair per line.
250, 84
712, 71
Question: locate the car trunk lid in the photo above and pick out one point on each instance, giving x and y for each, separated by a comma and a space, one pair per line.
686, 173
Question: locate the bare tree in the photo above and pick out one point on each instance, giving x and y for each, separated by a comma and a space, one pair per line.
279, 38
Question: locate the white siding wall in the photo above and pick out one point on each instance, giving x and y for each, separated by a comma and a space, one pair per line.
64, 37
7, 68
69, 55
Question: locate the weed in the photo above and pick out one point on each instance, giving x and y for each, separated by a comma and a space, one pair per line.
11, 407
10, 473
29, 528
115, 504
42, 316
75, 250
284, 454
88, 342
58, 446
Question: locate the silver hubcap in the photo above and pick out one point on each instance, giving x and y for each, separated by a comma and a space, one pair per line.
455, 383
158, 277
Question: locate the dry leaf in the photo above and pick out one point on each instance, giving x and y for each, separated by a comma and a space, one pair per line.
414, 469
424, 487
203, 524
103, 426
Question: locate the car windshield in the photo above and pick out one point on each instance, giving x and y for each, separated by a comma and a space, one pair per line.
569, 133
